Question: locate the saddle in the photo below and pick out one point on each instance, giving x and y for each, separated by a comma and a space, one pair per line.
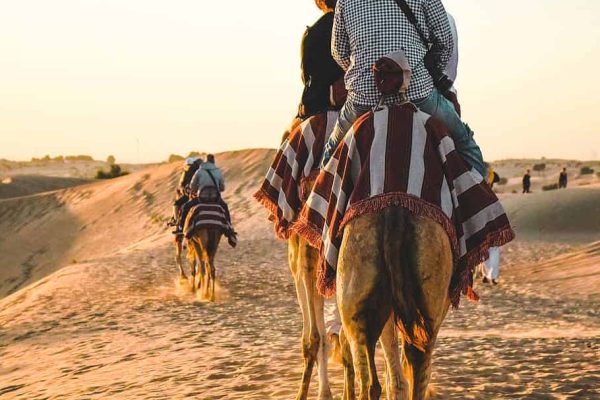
209, 195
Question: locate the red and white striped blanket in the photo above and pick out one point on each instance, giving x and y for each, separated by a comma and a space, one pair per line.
400, 156
282, 192
205, 215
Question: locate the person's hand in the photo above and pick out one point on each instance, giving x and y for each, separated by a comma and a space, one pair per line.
450, 95
327, 153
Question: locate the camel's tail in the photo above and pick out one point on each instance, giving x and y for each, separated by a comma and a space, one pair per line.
400, 253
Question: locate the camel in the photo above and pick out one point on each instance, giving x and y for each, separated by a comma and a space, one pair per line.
202, 248
394, 268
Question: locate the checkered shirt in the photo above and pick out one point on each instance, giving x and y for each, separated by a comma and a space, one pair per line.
365, 30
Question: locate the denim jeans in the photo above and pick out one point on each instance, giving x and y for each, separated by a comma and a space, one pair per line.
441, 108
349, 113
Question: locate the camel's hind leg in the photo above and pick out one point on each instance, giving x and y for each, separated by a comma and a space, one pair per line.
199, 267
349, 376
434, 268
211, 246
364, 298
396, 384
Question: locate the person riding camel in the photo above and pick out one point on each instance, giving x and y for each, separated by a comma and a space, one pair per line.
319, 69
365, 31
190, 166
206, 185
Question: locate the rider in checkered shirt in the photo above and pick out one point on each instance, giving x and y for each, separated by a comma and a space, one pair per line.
363, 32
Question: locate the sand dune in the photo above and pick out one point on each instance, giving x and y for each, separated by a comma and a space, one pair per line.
42, 233
92, 307
24, 185
571, 215
575, 274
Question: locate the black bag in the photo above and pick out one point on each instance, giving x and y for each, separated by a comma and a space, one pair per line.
211, 194
440, 79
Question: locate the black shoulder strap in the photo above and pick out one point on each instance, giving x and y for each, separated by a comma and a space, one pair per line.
413, 20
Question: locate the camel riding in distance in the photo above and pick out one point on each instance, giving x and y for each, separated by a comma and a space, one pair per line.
401, 221
204, 226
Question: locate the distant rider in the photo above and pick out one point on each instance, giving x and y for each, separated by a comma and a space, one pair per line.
206, 185
190, 166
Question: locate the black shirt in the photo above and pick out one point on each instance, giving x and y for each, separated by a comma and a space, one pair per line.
319, 69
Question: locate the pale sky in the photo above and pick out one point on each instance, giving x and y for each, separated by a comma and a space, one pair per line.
99, 76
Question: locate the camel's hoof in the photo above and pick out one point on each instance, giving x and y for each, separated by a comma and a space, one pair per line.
326, 395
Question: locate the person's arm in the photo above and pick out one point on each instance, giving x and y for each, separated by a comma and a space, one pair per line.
221, 182
195, 181
181, 184
340, 43
304, 61
440, 33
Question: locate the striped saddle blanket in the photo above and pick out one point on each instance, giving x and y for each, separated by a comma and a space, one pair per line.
297, 160
206, 215
400, 156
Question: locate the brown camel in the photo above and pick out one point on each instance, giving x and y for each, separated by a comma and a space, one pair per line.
202, 248
393, 264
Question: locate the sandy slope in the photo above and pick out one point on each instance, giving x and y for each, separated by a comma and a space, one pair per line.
41, 233
117, 324
24, 185
561, 215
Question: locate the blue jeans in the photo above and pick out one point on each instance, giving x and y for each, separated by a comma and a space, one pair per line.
349, 113
441, 108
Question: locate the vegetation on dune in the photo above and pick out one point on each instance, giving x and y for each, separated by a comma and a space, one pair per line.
585, 170
115, 172
175, 157
553, 186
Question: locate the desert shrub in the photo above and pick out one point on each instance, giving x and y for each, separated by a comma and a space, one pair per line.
539, 167
175, 157
598, 174
547, 188
79, 158
194, 154
586, 170
115, 172
58, 158
148, 197
502, 181
111, 159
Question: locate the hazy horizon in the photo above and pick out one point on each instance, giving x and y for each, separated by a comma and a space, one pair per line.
144, 79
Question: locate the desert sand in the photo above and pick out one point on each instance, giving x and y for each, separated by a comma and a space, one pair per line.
91, 307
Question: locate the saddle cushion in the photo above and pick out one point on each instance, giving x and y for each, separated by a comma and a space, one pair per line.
206, 215
399, 156
297, 160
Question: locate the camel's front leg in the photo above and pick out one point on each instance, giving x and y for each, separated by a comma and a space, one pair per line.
178, 253
308, 262
323, 351
308, 353
199, 265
